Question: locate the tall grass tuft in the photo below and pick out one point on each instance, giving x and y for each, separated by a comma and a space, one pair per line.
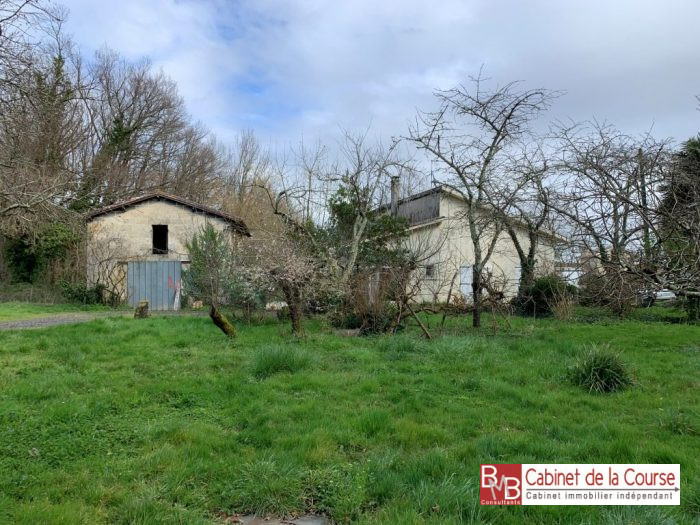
681, 422
564, 308
267, 487
601, 371
275, 359
338, 491
399, 344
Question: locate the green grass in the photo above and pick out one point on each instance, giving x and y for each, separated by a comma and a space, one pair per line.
165, 421
668, 313
276, 359
17, 311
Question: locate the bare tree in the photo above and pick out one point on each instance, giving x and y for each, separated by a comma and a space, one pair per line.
41, 129
140, 135
610, 195
526, 214
362, 177
246, 164
469, 137
76, 136
357, 184
18, 20
408, 279
245, 177
330, 218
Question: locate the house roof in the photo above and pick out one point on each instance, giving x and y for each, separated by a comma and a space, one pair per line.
237, 223
434, 189
446, 190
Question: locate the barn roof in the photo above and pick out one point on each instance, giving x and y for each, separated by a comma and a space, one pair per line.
237, 223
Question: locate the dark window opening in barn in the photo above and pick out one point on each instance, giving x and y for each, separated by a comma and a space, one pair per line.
430, 271
160, 238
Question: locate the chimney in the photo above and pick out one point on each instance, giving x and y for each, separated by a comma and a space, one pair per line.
394, 196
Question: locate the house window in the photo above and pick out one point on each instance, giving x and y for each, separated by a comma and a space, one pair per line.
430, 271
160, 238
465, 281
518, 274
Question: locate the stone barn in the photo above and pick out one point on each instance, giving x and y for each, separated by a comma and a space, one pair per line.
137, 248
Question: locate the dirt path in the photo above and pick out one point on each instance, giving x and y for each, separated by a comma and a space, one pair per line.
80, 317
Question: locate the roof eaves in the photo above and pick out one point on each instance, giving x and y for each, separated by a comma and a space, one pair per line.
238, 223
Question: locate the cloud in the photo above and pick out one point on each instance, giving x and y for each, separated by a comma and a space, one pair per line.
292, 69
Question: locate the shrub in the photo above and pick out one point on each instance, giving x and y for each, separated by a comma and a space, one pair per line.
601, 371
542, 296
28, 258
377, 320
23, 263
692, 307
275, 359
346, 319
611, 289
82, 293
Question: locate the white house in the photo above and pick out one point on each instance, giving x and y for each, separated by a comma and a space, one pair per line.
436, 221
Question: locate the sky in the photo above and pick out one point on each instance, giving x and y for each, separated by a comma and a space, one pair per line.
307, 69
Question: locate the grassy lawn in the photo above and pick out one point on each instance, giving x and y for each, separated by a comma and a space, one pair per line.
16, 311
163, 421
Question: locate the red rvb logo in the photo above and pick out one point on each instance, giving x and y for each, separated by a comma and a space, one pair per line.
501, 484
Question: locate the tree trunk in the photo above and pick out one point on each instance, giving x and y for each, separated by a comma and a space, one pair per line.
527, 276
447, 304
292, 295
222, 322
476, 291
295, 316
141, 311
420, 323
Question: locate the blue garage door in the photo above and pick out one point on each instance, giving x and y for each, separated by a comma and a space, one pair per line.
158, 282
